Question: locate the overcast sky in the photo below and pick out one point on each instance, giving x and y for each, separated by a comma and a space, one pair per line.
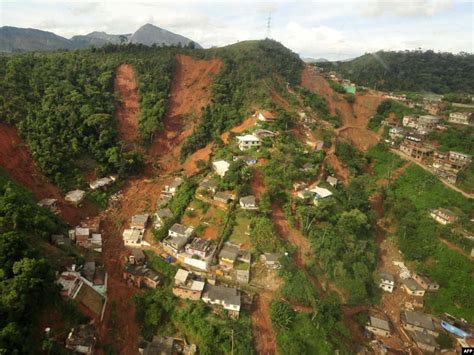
320, 29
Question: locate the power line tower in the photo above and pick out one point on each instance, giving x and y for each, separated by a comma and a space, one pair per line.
269, 25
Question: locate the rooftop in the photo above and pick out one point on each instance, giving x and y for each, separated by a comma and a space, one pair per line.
131, 235
164, 213
419, 319
176, 182
199, 244
229, 252
379, 323
181, 276
423, 338
321, 191
248, 200
229, 295
209, 184
181, 229
387, 276
248, 138
412, 284
140, 219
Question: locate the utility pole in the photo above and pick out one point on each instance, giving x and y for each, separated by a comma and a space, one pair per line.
232, 350
269, 24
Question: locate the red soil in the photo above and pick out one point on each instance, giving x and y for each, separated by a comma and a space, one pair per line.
18, 163
190, 92
264, 338
354, 117
127, 109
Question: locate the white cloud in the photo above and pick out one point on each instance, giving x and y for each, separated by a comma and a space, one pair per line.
409, 8
333, 29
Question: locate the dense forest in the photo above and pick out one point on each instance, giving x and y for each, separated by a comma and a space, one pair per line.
26, 276
63, 105
424, 71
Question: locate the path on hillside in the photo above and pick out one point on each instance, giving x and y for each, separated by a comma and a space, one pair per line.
127, 107
190, 91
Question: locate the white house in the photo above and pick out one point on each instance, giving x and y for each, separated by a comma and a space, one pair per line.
248, 203
320, 193
220, 167
132, 237
248, 141
174, 186
387, 282
465, 118
227, 297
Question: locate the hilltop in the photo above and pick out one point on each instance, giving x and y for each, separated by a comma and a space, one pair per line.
424, 71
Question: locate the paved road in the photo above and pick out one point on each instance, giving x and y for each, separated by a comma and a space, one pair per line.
451, 186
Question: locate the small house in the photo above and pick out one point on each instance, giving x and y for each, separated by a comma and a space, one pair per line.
178, 236
70, 282
425, 282
425, 341
226, 297
132, 237
387, 282
199, 247
140, 275
378, 326
223, 197
331, 180
418, 321
75, 197
174, 186
464, 118
248, 203
228, 255
396, 133
271, 260
220, 167
443, 216
412, 287
136, 256
82, 339
209, 185
248, 141
266, 116
186, 287
161, 215
139, 221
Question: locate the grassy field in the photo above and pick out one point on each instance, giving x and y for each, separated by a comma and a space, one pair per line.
240, 234
383, 161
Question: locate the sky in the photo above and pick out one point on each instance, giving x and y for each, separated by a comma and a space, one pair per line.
335, 30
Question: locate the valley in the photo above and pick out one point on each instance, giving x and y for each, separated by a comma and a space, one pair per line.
238, 214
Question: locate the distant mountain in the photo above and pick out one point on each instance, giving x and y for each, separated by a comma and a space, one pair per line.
150, 34
100, 39
410, 71
14, 39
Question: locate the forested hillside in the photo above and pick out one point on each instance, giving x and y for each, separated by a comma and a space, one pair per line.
26, 276
63, 105
410, 71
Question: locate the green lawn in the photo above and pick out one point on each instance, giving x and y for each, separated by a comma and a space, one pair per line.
240, 233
